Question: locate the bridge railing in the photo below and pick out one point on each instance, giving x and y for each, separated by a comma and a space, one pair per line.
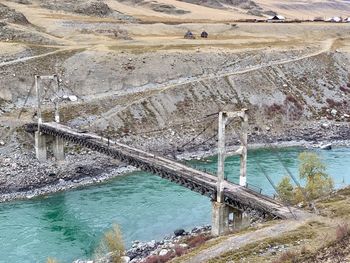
254, 188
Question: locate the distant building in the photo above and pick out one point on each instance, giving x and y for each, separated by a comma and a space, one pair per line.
335, 19
347, 20
204, 34
318, 19
189, 35
276, 18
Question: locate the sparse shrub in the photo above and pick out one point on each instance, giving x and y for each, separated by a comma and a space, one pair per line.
342, 231
293, 108
298, 195
274, 109
292, 99
333, 103
159, 259
112, 242
179, 251
152, 259
285, 190
344, 89
287, 256
196, 241
304, 251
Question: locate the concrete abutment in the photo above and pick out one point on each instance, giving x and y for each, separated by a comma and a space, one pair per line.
220, 218
41, 145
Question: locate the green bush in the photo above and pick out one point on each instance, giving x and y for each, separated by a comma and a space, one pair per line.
318, 182
285, 190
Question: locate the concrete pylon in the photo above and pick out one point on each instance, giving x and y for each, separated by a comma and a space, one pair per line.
240, 220
220, 213
40, 139
58, 149
40, 146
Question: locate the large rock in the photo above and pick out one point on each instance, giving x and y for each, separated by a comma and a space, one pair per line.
125, 259
163, 252
326, 146
179, 232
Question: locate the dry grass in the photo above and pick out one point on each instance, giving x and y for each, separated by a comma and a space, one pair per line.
342, 231
196, 241
288, 256
112, 243
254, 252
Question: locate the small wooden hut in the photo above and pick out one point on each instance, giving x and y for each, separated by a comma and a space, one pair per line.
204, 34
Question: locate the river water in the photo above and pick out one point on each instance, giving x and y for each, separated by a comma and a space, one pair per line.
69, 225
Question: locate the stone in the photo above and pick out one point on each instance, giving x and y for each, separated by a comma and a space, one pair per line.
326, 146
163, 252
2, 143
345, 116
73, 98
61, 181
334, 112
183, 245
125, 259
179, 232
325, 125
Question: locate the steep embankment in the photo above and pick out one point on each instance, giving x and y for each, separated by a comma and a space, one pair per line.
127, 92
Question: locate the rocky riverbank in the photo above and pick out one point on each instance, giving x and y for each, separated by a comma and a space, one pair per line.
177, 244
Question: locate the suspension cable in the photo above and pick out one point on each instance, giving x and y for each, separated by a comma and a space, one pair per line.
274, 187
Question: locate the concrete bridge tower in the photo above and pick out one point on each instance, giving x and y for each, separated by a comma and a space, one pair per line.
220, 210
41, 140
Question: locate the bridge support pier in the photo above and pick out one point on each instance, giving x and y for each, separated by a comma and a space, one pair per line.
220, 214
240, 219
58, 149
40, 146
41, 141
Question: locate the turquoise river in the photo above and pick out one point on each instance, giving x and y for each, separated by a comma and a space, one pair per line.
69, 225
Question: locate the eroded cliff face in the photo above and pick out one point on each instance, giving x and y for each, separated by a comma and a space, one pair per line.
162, 89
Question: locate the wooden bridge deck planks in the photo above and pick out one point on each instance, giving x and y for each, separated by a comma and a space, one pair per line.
234, 195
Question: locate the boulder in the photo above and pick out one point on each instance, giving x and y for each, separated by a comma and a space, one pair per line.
163, 252
179, 232
326, 146
325, 125
125, 259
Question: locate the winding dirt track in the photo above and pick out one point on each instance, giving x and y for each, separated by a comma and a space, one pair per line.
24, 59
240, 240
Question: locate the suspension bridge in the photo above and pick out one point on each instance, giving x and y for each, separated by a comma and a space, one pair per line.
227, 197
234, 196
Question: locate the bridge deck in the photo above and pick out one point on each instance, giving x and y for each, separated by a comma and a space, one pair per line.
234, 195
